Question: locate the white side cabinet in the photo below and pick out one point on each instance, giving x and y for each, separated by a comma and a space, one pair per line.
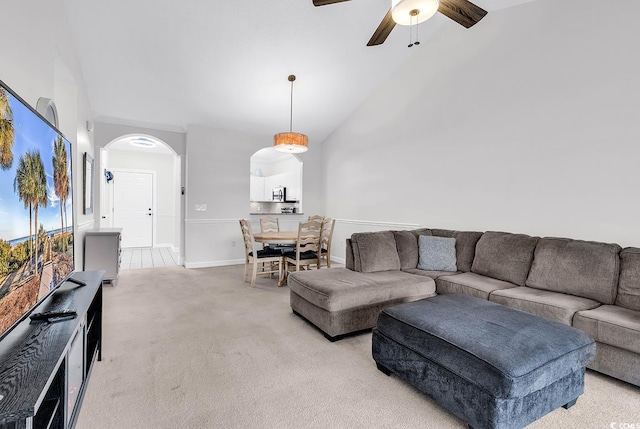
102, 251
257, 188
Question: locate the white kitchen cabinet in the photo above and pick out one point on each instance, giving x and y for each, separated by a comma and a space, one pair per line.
257, 188
294, 188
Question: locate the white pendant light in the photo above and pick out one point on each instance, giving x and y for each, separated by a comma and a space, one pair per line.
411, 12
291, 142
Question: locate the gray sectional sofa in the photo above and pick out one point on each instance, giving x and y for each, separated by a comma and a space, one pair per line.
592, 286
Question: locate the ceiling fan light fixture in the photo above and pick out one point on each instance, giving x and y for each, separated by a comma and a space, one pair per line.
410, 12
291, 142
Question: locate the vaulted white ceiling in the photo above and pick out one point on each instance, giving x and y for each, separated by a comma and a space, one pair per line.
167, 64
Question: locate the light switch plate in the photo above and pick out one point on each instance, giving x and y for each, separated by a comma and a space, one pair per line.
201, 207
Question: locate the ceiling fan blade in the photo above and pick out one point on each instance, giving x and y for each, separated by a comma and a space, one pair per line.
326, 2
383, 30
462, 11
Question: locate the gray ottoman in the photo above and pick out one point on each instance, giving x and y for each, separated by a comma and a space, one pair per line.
490, 365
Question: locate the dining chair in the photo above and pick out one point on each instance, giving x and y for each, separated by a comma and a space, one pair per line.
316, 218
266, 257
326, 234
269, 224
305, 254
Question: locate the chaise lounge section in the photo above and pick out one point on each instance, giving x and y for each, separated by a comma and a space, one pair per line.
342, 301
591, 286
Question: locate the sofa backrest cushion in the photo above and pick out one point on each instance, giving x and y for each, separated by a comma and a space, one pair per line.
407, 246
629, 282
582, 268
374, 251
504, 256
465, 246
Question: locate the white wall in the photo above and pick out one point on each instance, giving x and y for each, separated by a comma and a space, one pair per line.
39, 60
218, 176
527, 123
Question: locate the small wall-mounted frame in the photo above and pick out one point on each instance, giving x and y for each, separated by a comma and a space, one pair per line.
87, 185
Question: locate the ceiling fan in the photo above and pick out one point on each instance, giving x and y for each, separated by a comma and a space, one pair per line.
409, 12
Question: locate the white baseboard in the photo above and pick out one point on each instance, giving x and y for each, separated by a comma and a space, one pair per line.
338, 260
207, 264
171, 247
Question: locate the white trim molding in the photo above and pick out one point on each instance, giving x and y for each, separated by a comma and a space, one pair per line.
210, 221
85, 225
378, 223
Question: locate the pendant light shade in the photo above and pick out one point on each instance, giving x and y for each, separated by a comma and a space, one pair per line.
291, 142
410, 12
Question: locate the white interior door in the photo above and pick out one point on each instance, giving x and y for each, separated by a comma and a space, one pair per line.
133, 207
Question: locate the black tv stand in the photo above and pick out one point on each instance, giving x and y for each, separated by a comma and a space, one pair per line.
45, 367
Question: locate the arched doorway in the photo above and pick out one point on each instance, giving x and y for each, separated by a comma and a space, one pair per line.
140, 193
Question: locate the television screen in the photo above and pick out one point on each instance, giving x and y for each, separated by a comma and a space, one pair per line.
36, 209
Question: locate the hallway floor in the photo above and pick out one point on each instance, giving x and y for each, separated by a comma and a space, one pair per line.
148, 257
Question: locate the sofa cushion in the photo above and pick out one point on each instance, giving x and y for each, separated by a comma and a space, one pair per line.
629, 282
551, 305
504, 256
582, 268
430, 273
375, 251
437, 253
338, 289
407, 246
613, 325
465, 245
470, 284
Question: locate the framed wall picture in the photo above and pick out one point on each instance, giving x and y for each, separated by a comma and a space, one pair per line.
87, 185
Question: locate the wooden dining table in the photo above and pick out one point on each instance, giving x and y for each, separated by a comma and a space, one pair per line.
280, 237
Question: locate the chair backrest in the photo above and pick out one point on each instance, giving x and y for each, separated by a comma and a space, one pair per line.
308, 236
326, 233
316, 218
269, 224
247, 236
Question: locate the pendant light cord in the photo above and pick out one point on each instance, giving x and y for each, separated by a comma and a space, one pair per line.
291, 110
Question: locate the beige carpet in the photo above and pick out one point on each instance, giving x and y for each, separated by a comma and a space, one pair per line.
201, 349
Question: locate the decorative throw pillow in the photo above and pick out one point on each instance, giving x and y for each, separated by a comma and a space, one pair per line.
437, 253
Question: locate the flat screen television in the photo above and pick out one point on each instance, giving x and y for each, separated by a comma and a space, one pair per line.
36, 209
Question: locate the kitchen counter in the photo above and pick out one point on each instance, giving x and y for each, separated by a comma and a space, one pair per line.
273, 208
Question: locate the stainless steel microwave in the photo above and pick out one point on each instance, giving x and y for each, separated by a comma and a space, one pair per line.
279, 193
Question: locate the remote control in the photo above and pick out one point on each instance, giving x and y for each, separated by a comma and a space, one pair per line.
54, 314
